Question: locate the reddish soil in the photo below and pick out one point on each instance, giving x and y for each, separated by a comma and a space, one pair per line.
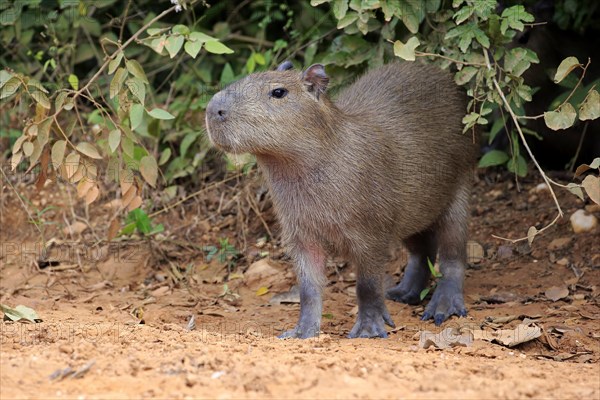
117, 314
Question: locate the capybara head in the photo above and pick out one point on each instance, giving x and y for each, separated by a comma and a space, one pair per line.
277, 112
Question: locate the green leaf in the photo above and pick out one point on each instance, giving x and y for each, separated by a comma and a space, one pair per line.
73, 81
19, 312
493, 158
136, 114
159, 44
562, 118
465, 75
164, 156
463, 14
590, 108
193, 48
58, 153
37, 84
227, 75
482, 38
149, 170
519, 166
114, 139
159, 113
200, 37
127, 146
406, 51
4, 77
174, 44
117, 82
114, 63
514, 17
136, 70
350, 18
339, 7
41, 98
89, 150
576, 190
424, 293
60, 100
217, 47
566, 66
181, 29
137, 88
10, 87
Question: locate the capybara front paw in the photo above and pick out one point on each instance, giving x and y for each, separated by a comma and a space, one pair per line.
447, 300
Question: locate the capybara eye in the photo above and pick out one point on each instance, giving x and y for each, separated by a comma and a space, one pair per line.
279, 93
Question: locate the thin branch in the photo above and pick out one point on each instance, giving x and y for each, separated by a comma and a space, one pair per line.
211, 186
525, 144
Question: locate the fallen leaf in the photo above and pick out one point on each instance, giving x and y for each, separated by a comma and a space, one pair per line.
75, 228
262, 291
449, 337
290, 297
556, 293
20, 312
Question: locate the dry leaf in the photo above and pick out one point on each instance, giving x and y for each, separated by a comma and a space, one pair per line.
92, 195
75, 228
556, 293
113, 229
591, 185
135, 203
449, 337
262, 291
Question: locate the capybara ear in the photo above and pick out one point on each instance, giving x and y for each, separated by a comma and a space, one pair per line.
315, 79
285, 66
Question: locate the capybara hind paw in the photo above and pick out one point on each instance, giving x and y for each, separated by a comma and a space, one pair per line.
401, 295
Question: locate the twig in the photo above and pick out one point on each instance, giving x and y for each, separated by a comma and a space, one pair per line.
585, 126
525, 144
124, 20
211, 186
537, 232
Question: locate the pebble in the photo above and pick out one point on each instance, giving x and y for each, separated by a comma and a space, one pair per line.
542, 187
563, 261
583, 222
559, 243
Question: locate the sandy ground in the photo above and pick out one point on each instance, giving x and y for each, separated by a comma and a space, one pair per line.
116, 322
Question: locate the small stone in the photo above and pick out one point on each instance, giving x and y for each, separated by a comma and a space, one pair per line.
505, 252
542, 187
63, 348
583, 222
563, 261
559, 243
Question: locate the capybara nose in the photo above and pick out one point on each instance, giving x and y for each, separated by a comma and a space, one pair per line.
217, 110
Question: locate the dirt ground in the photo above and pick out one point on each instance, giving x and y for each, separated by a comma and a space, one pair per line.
116, 316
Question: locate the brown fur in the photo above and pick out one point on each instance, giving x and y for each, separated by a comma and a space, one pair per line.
355, 176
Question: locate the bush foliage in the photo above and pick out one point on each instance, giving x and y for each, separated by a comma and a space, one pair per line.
114, 91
